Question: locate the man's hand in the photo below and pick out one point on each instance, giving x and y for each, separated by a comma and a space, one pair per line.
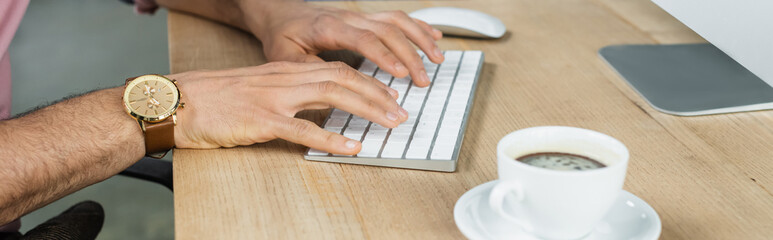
292, 30
67, 146
257, 104
296, 31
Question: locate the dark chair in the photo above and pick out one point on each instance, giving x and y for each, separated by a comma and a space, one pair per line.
153, 170
84, 220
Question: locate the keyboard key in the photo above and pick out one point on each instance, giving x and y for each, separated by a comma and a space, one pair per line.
403, 136
427, 124
423, 133
370, 148
383, 76
442, 152
418, 95
403, 128
339, 114
419, 90
411, 119
430, 72
358, 122
354, 132
401, 81
454, 115
315, 152
453, 56
418, 151
374, 135
398, 137
446, 76
420, 146
472, 56
413, 110
353, 136
368, 68
393, 150
414, 98
377, 128
430, 115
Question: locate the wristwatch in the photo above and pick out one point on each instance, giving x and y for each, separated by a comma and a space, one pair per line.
153, 101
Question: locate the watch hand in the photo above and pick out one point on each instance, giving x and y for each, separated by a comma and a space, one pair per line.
149, 91
137, 100
152, 102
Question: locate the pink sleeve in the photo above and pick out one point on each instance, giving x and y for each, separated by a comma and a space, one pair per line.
11, 13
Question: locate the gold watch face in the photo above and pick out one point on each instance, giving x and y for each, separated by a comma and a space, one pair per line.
151, 98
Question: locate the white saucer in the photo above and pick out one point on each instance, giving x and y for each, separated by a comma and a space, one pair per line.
629, 218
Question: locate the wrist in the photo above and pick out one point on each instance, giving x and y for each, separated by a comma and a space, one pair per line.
184, 119
187, 131
260, 15
124, 124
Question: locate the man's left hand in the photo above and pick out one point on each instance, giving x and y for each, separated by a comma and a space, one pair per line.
296, 31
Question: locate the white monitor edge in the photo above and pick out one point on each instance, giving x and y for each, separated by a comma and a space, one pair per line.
743, 29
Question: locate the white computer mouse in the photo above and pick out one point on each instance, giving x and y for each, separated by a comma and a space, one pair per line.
461, 22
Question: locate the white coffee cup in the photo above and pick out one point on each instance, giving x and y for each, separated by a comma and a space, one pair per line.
556, 204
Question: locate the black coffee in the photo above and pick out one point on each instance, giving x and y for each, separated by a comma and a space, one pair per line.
560, 161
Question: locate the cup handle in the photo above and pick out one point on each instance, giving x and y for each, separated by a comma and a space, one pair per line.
498, 194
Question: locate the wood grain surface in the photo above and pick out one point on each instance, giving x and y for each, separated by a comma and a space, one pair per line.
708, 177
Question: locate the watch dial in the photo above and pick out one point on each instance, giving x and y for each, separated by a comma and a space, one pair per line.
151, 96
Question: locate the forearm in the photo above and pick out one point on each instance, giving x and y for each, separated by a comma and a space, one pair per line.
63, 148
248, 15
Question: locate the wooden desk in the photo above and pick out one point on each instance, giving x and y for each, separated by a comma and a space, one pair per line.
708, 177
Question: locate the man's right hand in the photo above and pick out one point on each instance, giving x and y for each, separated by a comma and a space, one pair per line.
243, 106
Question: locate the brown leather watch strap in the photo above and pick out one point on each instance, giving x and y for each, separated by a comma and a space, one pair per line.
159, 137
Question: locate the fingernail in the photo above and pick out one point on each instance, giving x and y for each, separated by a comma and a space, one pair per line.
351, 144
423, 76
391, 116
438, 53
400, 68
435, 31
392, 92
403, 113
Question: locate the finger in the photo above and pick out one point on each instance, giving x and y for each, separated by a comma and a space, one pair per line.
369, 45
436, 34
336, 71
307, 133
341, 35
342, 74
308, 59
419, 36
325, 94
271, 68
364, 85
393, 37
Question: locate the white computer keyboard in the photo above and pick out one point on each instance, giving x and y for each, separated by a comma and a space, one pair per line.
431, 137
